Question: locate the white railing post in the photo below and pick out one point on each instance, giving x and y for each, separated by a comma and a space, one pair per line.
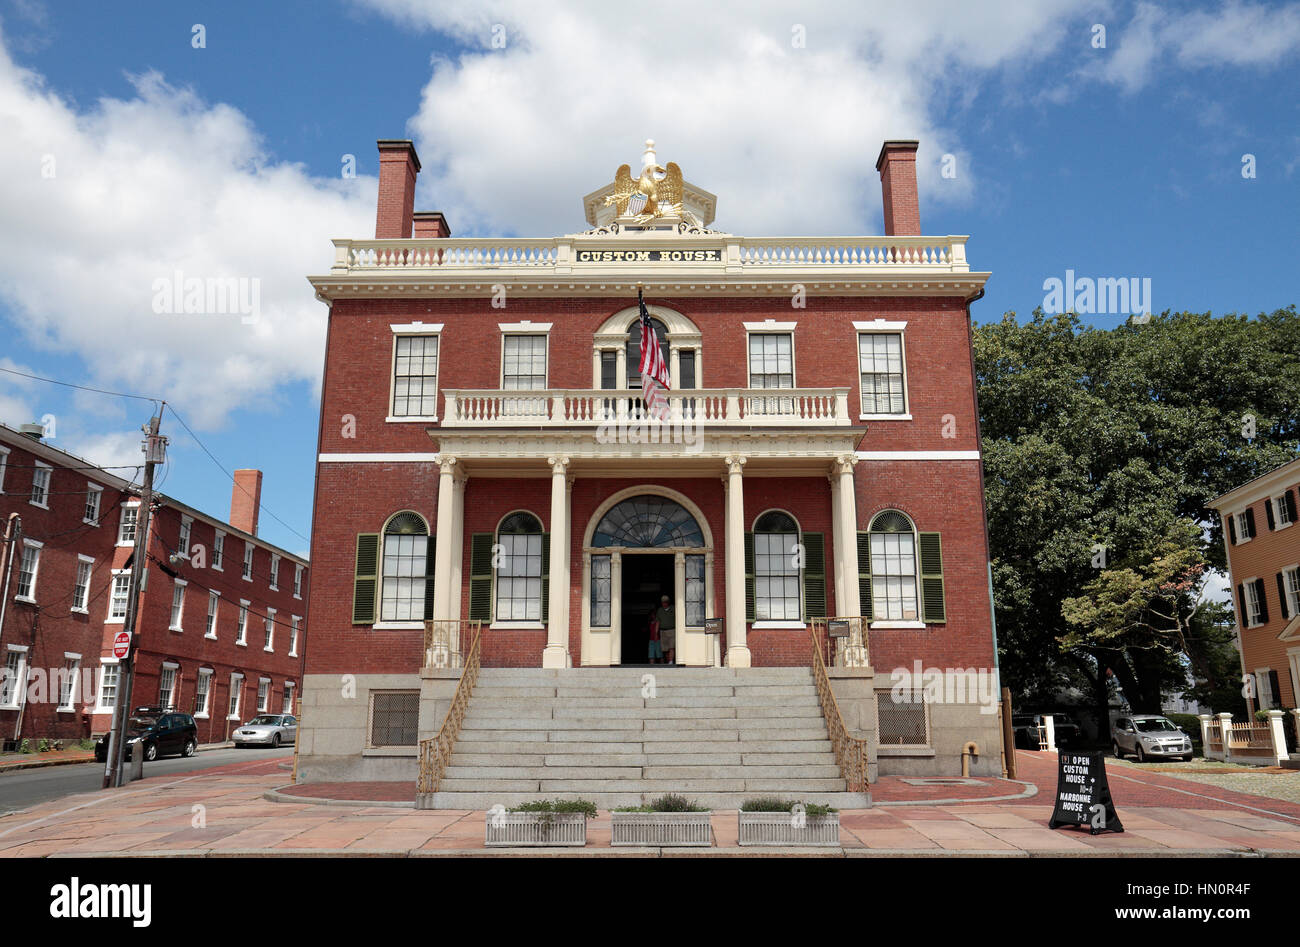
1225, 726
1279, 736
557, 409
1049, 722
1205, 734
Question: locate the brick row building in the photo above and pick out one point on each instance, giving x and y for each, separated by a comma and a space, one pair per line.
222, 620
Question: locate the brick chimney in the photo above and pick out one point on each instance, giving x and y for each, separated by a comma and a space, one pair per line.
245, 500
398, 166
430, 224
897, 167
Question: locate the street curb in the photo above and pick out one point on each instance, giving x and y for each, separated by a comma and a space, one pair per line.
274, 795
1030, 791
37, 764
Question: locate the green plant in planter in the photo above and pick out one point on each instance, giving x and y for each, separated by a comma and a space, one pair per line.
770, 804
669, 802
25, 746
43, 745
584, 806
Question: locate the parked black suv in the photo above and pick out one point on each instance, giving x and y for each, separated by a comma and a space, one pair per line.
163, 732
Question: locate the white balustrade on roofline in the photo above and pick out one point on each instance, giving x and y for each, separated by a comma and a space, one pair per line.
598, 406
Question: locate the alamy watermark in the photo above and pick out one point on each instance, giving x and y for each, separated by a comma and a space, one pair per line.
1103, 295
945, 686
212, 295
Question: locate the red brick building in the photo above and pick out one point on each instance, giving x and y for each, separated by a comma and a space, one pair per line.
484, 454
222, 621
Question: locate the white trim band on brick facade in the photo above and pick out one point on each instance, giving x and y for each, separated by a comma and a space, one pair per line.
416, 328
362, 458
918, 455
880, 325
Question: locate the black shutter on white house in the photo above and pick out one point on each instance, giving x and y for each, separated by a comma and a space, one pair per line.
1250, 522
1281, 595
1263, 602
1232, 528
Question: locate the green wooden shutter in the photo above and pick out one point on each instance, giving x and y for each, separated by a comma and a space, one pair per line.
365, 579
814, 576
864, 572
480, 576
932, 605
546, 576
749, 577
429, 560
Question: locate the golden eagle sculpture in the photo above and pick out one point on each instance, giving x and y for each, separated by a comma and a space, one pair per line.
649, 197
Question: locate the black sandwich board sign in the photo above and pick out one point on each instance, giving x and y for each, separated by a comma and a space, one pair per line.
1082, 794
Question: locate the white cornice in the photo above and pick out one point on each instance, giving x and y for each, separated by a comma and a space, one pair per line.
918, 455
1251, 492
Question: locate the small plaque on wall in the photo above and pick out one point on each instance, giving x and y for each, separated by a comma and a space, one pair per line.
838, 628
713, 626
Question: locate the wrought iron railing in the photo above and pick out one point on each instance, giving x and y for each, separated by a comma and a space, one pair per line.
850, 752
435, 752
442, 641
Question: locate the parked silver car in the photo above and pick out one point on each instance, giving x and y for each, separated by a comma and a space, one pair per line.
267, 730
1149, 736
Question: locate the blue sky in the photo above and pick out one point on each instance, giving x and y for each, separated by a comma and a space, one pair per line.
1117, 161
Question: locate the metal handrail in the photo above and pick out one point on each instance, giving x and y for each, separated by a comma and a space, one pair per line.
435, 752
850, 752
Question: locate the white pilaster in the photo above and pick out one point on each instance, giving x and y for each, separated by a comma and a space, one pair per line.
443, 552
455, 587
737, 647
556, 654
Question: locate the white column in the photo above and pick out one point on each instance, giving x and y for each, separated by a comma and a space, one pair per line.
846, 524
737, 648
447, 494
455, 588
620, 370
674, 368
556, 654
1279, 736
837, 541
1225, 728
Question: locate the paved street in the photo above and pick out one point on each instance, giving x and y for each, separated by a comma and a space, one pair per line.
28, 787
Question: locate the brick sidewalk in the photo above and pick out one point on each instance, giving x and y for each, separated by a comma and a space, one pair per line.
158, 817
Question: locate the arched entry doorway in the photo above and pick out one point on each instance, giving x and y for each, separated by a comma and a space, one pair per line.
641, 543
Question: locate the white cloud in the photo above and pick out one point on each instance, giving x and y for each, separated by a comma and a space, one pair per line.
787, 137
145, 187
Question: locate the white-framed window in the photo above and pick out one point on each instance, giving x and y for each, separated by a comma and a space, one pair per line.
178, 604
263, 694
126, 524
241, 628
68, 682
1254, 608
218, 549
288, 698
405, 557
1264, 688
214, 601
523, 362
275, 573
28, 567
117, 600
771, 360
294, 622
183, 541
519, 569
94, 497
1282, 511
882, 373
1243, 520
81, 590
270, 630
297, 580
167, 685
893, 568
248, 562
777, 587
202, 690
14, 684
1291, 580
415, 376
4, 465
236, 696
40, 485
108, 678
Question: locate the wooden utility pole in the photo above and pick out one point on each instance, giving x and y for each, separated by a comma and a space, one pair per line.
155, 450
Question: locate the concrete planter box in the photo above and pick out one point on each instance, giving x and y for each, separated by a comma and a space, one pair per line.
651, 829
536, 829
779, 828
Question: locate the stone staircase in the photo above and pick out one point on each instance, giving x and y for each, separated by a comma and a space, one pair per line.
716, 735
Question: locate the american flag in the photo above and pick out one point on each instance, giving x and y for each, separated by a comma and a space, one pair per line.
654, 373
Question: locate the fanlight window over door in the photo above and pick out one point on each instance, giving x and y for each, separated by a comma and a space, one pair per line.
648, 522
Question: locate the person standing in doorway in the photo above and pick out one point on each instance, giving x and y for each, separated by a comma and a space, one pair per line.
667, 616
656, 652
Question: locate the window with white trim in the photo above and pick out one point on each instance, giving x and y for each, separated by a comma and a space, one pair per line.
1281, 511
771, 360
293, 635
263, 694
241, 628
94, 497
214, 600
108, 678
406, 545
1292, 577
41, 485
415, 376
275, 573
1254, 610
27, 569
81, 590
236, 693
121, 593
202, 688
288, 698
880, 373
1243, 527
126, 524
893, 567
519, 572
523, 362
167, 685
178, 603
68, 682
15, 677
248, 561
218, 549
297, 580
270, 630
183, 542
777, 591
4, 465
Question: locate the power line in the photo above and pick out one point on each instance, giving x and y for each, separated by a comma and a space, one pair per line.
68, 384
237, 484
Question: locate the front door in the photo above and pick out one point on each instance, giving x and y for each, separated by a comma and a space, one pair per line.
646, 577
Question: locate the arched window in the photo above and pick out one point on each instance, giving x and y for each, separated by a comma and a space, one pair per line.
634, 349
405, 560
519, 569
893, 567
648, 522
776, 567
